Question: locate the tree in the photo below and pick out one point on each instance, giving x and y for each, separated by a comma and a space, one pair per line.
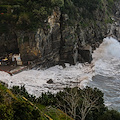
110, 115
92, 99
59, 3
89, 5
80, 103
68, 101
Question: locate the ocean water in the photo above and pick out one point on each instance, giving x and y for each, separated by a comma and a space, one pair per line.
103, 73
106, 61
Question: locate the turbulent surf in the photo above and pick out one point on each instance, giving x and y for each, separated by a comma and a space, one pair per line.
103, 72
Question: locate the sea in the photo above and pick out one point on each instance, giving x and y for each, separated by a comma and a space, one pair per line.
103, 73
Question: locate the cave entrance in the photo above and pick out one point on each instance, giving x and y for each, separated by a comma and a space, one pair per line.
10, 53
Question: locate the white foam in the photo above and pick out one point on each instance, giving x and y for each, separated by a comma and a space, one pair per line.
108, 49
35, 81
106, 58
106, 62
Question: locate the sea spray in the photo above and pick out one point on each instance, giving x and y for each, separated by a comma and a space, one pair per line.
106, 60
35, 81
105, 68
109, 48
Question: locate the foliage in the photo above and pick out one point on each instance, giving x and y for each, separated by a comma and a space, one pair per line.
12, 108
21, 108
6, 112
46, 99
110, 115
110, 2
59, 3
80, 103
23, 14
90, 5
84, 104
23, 111
83, 8
23, 92
28, 15
73, 101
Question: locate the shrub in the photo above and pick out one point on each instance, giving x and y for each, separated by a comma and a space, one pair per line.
23, 111
6, 112
110, 115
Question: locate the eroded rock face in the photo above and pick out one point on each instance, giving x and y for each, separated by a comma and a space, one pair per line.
58, 42
76, 38
42, 47
85, 54
114, 27
8, 44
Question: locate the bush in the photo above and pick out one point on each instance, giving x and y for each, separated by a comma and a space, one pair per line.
6, 112
25, 15
23, 111
59, 3
46, 99
22, 91
84, 104
110, 115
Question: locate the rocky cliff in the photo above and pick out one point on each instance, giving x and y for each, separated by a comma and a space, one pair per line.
64, 39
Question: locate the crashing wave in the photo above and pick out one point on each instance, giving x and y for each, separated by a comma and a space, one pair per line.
106, 63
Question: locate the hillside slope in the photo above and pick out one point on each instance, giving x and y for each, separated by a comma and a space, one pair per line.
17, 107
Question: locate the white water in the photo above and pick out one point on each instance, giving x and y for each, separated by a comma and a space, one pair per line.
106, 58
105, 67
107, 71
35, 81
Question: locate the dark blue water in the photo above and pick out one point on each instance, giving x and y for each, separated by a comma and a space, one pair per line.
110, 86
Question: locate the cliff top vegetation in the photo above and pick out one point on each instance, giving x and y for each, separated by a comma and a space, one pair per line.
27, 15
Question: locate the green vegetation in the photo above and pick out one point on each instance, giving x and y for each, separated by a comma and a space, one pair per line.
69, 104
86, 104
23, 14
111, 2
28, 15
89, 5
59, 3
80, 8
12, 108
19, 105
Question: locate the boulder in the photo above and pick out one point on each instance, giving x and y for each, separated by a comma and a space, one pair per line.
50, 81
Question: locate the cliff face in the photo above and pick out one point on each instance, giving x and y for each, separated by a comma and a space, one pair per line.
59, 42
43, 46
8, 44
114, 28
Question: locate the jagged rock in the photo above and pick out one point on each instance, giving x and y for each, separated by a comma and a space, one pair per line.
50, 81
